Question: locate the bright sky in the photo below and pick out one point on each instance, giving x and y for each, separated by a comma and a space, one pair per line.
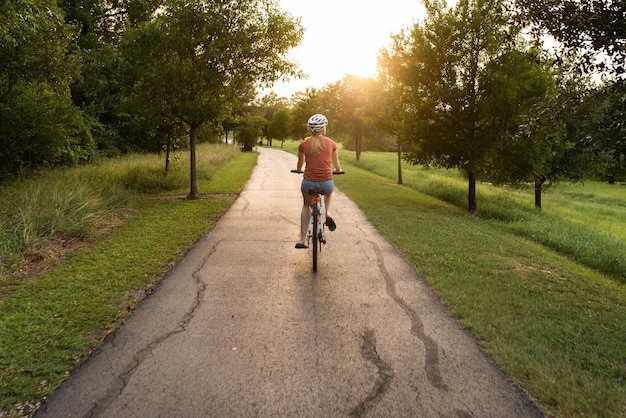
343, 37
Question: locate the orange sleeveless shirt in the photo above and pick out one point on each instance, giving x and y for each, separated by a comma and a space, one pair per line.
318, 167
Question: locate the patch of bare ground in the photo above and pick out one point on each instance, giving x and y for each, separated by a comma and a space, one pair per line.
537, 268
48, 254
21, 409
200, 196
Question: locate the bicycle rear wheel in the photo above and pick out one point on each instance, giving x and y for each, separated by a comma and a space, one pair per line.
316, 241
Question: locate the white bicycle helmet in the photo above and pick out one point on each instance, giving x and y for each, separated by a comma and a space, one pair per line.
317, 123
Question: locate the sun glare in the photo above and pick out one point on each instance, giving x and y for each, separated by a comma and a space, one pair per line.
343, 37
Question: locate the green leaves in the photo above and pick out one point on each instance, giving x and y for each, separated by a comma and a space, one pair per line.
595, 28
41, 128
196, 56
39, 124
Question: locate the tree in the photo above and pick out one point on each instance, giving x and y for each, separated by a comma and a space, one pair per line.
519, 83
389, 108
588, 27
104, 22
100, 90
42, 129
281, 124
196, 56
445, 67
39, 127
593, 33
608, 133
249, 131
266, 107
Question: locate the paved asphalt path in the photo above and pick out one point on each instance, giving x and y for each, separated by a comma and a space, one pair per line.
243, 328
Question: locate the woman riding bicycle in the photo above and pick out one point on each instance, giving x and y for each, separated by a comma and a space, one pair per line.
317, 152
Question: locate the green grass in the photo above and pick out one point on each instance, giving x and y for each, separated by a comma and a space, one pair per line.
78, 203
48, 326
552, 319
586, 222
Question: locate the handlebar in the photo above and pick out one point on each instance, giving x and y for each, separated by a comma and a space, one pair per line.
334, 172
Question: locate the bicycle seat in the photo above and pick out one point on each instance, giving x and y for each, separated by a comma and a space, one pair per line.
316, 191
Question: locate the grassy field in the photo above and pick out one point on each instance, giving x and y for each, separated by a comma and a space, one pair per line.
543, 292
585, 221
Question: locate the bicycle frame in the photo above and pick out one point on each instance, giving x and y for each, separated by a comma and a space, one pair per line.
315, 231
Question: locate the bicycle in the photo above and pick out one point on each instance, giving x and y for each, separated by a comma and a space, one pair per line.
315, 231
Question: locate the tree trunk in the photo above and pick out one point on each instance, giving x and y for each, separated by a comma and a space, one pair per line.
167, 154
400, 163
471, 195
193, 191
538, 189
358, 147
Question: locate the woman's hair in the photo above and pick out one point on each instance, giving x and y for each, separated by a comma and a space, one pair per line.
316, 143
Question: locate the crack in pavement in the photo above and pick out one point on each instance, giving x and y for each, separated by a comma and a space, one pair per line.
124, 377
246, 203
431, 364
385, 375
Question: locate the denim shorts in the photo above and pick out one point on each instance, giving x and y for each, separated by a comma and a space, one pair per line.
327, 186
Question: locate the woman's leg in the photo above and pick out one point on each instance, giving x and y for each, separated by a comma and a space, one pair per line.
330, 222
305, 215
328, 201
